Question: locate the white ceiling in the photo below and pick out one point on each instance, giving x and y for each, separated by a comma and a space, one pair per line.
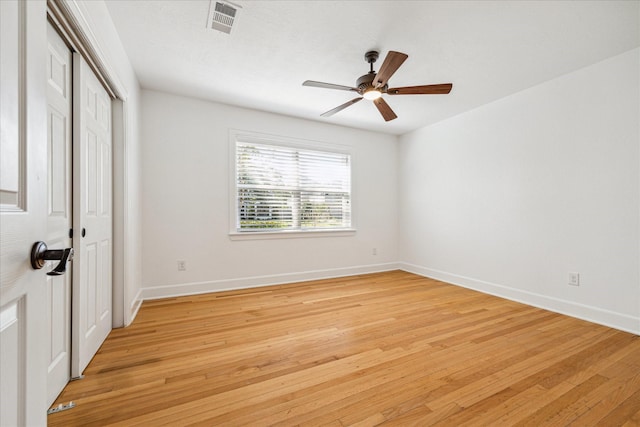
487, 49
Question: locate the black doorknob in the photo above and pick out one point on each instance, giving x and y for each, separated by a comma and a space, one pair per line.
40, 255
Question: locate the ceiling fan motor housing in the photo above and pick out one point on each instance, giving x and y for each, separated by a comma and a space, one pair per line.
364, 83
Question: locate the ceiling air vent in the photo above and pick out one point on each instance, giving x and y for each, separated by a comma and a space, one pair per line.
221, 16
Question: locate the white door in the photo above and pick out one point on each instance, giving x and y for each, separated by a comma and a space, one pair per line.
23, 179
59, 209
92, 216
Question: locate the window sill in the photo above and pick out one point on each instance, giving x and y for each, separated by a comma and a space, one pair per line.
262, 235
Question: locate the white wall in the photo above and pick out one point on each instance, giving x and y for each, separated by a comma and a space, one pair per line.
185, 202
510, 197
94, 17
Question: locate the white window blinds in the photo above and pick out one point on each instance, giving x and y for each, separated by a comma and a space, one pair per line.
281, 188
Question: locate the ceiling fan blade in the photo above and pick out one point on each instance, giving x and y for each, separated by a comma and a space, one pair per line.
385, 110
391, 63
340, 107
328, 85
441, 89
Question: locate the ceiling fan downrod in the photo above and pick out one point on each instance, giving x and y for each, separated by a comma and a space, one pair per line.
371, 57
364, 83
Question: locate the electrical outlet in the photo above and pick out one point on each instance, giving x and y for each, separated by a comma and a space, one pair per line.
182, 265
573, 279
374, 251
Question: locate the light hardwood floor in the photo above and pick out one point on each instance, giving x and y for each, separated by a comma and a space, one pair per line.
390, 348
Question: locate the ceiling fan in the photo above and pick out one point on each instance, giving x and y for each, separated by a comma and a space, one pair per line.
372, 85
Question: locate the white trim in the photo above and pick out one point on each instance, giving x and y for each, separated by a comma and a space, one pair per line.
119, 257
167, 291
287, 141
86, 42
134, 308
589, 313
592, 314
289, 234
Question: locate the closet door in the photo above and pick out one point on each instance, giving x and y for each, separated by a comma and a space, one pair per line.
59, 210
92, 216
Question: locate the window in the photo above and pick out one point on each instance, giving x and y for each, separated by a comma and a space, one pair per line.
283, 188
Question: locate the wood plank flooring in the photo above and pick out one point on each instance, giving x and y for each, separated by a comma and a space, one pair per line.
380, 349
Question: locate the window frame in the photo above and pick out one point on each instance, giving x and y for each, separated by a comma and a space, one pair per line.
236, 136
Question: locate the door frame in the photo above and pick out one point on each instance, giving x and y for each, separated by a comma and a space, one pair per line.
68, 19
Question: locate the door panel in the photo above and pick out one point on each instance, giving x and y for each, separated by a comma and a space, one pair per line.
12, 373
23, 212
92, 285
90, 172
104, 299
91, 275
10, 182
59, 133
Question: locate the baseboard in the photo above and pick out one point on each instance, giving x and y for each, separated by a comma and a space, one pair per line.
182, 289
134, 307
589, 313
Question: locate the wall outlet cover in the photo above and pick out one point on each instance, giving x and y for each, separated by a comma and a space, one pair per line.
573, 279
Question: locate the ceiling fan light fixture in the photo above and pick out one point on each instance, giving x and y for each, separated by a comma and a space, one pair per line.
372, 94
